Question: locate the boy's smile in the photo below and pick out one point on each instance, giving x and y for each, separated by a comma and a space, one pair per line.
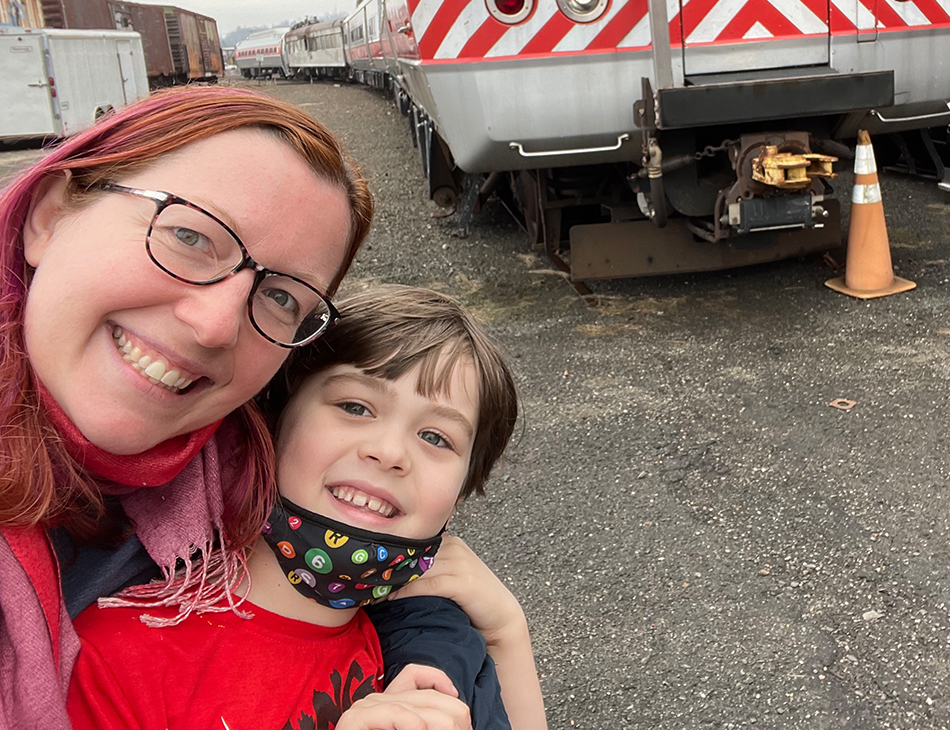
375, 453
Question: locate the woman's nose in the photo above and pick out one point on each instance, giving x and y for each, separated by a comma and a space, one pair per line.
216, 312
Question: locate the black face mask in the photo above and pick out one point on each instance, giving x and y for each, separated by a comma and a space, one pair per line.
341, 566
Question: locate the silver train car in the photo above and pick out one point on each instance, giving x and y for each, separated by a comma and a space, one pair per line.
595, 120
263, 54
370, 53
315, 50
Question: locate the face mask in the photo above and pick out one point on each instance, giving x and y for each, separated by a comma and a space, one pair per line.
341, 566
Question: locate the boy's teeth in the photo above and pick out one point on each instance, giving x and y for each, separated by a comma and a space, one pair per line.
155, 370
359, 499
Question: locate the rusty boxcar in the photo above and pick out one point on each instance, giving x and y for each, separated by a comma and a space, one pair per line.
180, 46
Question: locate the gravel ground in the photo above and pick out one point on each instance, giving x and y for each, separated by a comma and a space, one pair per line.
697, 538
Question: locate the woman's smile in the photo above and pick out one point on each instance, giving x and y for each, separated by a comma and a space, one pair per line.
150, 364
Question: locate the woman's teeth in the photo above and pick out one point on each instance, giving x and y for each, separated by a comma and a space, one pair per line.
361, 499
154, 370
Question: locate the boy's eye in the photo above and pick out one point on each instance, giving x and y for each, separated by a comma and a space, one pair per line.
355, 409
436, 439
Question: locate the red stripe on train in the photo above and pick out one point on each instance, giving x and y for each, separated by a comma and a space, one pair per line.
819, 8
492, 59
620, 25
550, 34
483, 39
676, 31
933, 12
441, 24
840, 23
693, 14
763, 13
885, 14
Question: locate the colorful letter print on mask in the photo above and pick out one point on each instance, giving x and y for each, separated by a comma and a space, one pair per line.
341, 566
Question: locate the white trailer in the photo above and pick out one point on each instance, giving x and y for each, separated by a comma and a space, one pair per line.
56, 82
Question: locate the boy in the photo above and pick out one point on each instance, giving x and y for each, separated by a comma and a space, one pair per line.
385, 424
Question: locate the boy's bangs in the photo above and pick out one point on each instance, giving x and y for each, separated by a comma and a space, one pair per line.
437, 360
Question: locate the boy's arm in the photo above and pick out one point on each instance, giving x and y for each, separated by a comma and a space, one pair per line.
459, 575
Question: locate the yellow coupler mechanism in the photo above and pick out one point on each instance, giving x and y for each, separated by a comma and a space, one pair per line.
789, 171
639, 248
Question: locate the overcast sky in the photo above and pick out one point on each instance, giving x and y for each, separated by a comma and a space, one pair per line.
233, 13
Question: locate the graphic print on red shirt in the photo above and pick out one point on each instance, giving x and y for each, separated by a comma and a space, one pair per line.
217, 670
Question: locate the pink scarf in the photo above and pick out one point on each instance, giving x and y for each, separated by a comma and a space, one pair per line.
174, 519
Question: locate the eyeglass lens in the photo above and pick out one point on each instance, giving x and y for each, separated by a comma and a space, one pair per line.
193, 246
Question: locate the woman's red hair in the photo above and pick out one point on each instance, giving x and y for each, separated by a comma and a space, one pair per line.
39, 483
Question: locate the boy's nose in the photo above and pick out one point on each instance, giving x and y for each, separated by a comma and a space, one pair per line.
387, 451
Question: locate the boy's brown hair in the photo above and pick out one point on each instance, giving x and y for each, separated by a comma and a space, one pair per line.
386, 331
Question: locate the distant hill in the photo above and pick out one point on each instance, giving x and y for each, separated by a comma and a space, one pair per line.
229, 40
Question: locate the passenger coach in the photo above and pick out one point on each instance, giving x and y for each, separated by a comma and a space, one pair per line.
263, 54
316, 50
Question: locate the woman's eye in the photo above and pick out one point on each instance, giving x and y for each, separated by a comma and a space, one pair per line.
436, 439
282, 299
191, 238
355, 409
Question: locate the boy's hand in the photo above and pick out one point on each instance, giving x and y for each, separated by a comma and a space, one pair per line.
414, 709
420, 676
458, 574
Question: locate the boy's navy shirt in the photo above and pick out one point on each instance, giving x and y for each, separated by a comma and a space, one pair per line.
418, 630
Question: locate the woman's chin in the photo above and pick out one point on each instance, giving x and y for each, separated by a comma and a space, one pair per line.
123, 441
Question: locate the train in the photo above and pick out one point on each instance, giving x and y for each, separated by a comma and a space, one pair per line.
180, 46
315, 50
636, 137
263, 54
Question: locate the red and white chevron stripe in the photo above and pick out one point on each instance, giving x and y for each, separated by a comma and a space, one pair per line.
462, 29
848, 16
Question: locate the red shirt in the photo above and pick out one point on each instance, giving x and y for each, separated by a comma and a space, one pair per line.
217, 670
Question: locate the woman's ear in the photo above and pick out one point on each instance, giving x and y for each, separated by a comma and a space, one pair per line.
45, 210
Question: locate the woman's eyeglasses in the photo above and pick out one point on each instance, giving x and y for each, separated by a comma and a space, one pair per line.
190, 244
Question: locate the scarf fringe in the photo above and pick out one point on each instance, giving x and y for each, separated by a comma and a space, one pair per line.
207, 586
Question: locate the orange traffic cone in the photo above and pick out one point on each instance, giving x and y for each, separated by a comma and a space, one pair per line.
868, 273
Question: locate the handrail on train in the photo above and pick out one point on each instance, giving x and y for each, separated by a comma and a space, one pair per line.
621, 138
918, 118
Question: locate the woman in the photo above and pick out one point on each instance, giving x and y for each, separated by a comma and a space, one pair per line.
157, 269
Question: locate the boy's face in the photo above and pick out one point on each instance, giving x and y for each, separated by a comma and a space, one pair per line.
374, 454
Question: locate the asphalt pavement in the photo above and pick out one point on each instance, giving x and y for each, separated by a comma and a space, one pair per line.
698, 539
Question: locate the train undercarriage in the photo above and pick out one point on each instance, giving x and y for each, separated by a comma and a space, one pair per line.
699, 199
